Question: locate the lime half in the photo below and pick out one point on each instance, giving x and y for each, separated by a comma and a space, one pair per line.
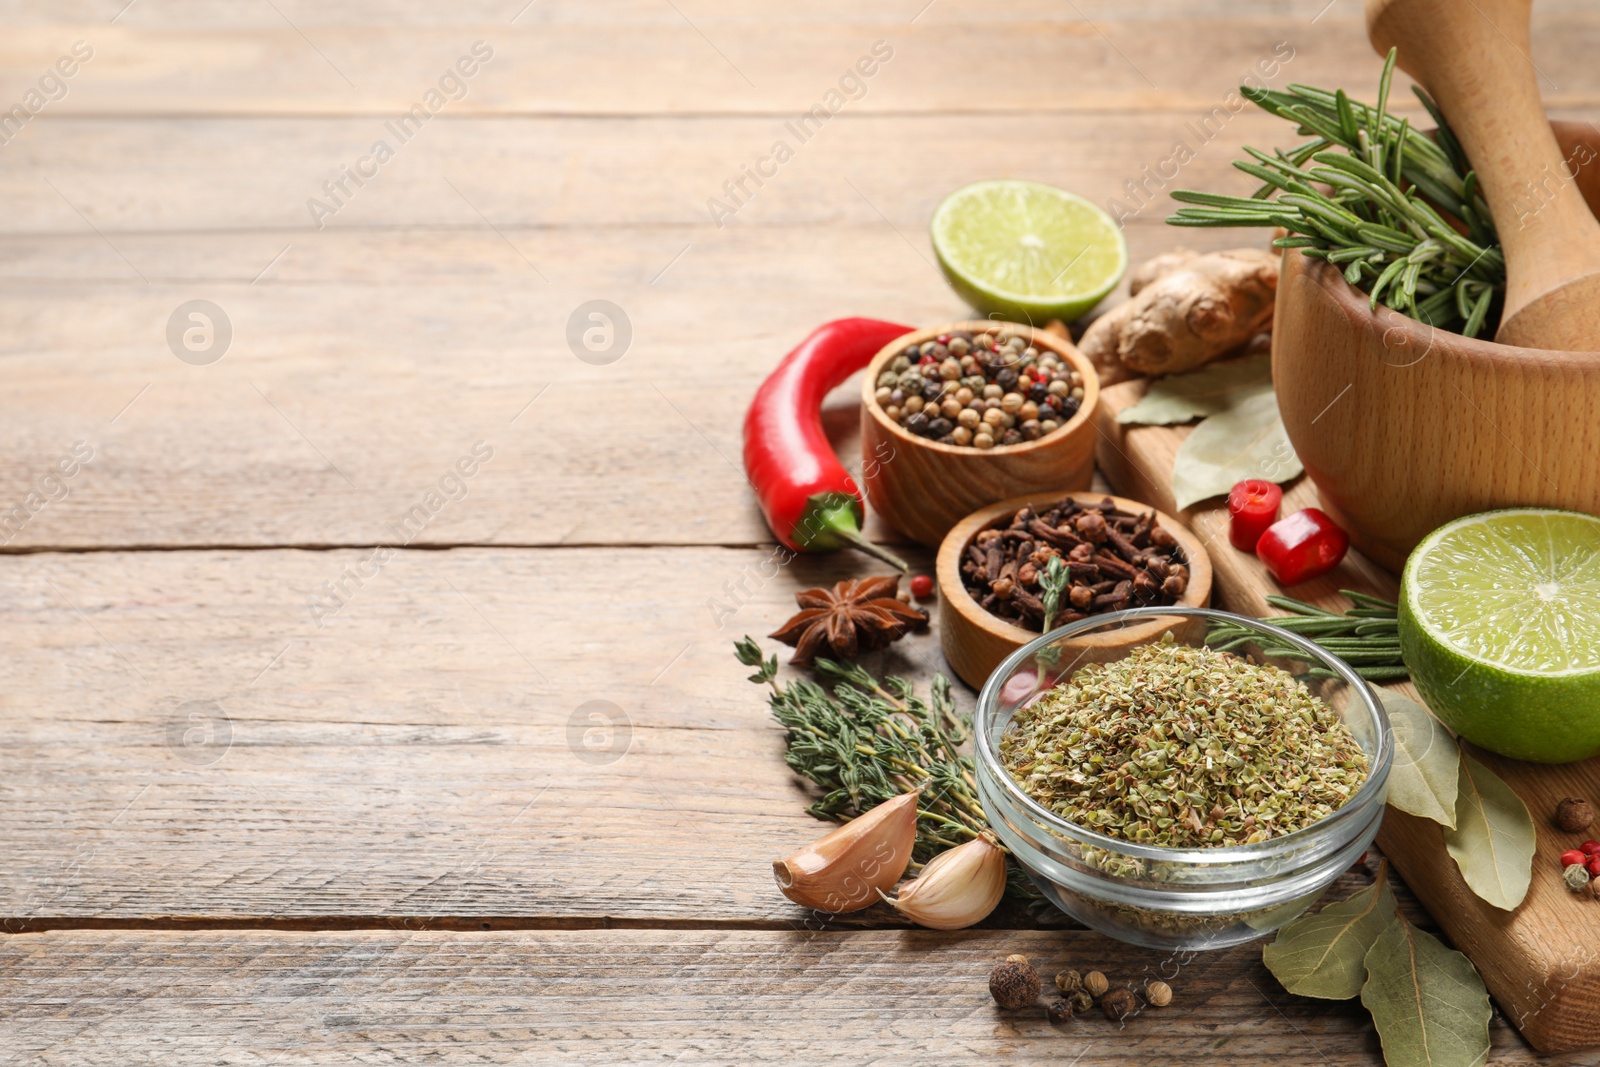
1500, 625
1028, 251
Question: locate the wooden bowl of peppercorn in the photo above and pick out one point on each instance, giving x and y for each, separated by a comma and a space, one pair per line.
1106, 542
923, 486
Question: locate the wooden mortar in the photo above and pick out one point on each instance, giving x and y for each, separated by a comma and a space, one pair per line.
974, 641
922, 488
1403, 427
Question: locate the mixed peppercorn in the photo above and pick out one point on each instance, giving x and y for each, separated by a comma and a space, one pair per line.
979, 390
1113, 560
1015, 984
1580, 867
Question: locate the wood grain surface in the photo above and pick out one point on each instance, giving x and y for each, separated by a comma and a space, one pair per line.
562, 734
797, 996
227, 826
1538, 961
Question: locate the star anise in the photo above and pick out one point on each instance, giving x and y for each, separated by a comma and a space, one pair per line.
851, 618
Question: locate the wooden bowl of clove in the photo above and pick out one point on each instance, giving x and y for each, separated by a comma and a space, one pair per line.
976, 640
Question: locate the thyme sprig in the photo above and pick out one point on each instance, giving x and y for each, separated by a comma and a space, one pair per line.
1367, 636
1366, 194
863, 741
1053, 582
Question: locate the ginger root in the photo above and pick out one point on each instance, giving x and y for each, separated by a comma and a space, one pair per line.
1185, 309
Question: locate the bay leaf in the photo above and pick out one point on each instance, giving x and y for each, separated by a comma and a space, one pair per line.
1493, 839
1427, 1001
1423, 777
1324, 955
1245, 441
1214, 388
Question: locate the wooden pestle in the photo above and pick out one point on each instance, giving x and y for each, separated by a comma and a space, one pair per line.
1474, 60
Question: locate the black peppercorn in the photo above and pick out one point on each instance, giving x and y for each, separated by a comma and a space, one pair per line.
1006, 379
1038, 392
917, 424
1069, 408
940, 427
1119, 1004
933, 390
1058, 1011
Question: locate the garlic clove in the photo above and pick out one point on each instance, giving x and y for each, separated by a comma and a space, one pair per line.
957, 888
849, 869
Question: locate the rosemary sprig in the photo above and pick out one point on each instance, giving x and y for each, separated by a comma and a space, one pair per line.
1366, 636
1365, 194
865, 741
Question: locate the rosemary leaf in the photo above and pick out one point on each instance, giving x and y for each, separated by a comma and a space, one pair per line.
1372, 204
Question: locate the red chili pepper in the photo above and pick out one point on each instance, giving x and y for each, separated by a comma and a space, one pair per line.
1253, 506
810, 501
1302, 546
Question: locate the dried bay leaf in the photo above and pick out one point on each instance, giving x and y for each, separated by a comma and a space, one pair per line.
1427, 1001
1245, 441
1324, 955
1181, 397
1423, 778
1493, 839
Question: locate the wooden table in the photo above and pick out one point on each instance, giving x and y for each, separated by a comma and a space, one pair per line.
507, 796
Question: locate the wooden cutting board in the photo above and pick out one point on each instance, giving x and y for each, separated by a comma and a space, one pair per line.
1542, 961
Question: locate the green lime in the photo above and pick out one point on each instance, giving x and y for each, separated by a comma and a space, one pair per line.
1500, 625
1028, 251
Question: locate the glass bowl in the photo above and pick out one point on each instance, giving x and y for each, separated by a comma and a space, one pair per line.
1153, 895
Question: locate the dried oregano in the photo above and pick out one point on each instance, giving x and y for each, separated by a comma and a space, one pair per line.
1184, 747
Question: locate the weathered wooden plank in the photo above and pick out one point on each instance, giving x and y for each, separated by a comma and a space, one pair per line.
666, 65
245, 14
251, 997
677, 61
152, 174
116, 176
431, 342
553, 733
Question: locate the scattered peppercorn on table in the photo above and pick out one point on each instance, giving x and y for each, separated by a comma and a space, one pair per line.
369, 690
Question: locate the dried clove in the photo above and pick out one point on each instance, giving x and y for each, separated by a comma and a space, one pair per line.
1115, 560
